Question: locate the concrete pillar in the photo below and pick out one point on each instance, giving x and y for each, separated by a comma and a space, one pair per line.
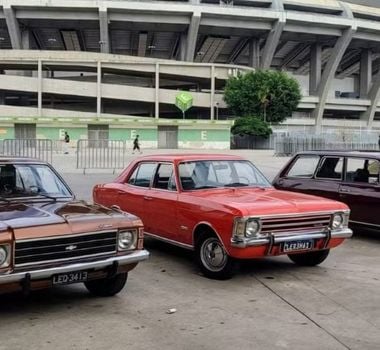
104, 34
99, 89
374, 96
192, 35
157, 92
254, 53
39, 88
315, 68
182, 47
329, 74
273, 38
212, 92
25, 39
365, 73
13, 27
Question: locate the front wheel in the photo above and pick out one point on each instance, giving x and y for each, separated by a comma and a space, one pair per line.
107, 287
213, 259
311, 258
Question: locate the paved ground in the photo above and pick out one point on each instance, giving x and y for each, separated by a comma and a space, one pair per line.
270, 304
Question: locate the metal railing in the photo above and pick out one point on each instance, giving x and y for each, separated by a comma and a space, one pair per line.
290, 145
30, 148
101, 154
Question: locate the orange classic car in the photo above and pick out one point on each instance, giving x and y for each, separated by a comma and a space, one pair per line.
222, 207
48, 238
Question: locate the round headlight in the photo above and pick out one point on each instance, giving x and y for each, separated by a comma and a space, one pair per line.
337, 221
126, 239
3, 256
252, 228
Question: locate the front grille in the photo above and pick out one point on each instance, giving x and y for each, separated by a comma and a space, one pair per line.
50, 250
295, 223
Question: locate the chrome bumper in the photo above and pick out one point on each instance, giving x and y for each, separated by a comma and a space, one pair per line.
132, 258
273, 239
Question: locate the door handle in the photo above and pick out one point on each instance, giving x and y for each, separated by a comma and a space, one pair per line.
345, 190
148, 198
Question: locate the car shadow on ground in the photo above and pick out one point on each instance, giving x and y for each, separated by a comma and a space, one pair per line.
245, 267
48, 300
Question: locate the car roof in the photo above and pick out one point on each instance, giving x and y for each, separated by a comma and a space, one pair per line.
180, 157
13, 159
343, 153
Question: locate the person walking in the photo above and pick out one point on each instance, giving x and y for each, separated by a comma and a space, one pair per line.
136, 145
66, 140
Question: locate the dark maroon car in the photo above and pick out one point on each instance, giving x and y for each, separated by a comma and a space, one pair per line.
351, 177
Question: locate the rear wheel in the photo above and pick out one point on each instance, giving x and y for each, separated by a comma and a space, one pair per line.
107, 287
311, 258
213, 259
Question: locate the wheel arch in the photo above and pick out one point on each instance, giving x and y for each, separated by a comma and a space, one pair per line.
202, 227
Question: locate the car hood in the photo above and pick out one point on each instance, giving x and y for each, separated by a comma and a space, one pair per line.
268, 201
66, 217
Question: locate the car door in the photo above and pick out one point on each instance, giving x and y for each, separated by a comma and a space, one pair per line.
161, 203
314, 174
360, 190
298, 177
132, 193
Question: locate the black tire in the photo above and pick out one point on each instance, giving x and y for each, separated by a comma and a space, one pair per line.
107, 287
213, 259
309, 259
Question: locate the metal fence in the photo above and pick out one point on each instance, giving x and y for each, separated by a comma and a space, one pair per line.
101, 154
32, 148
287, 145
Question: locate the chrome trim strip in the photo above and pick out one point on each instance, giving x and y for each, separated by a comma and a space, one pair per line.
167, 240
364, 223
299, 215
41, 262
243, 243
132, 258
71, 235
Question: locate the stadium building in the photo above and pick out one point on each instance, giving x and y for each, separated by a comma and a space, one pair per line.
114, 68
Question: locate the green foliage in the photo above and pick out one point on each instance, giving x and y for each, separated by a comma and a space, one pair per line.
251, 126
270, 95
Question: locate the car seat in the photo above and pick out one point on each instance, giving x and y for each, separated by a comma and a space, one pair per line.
361, 175
7, 179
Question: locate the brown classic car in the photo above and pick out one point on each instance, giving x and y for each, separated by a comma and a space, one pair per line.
49, 238
351, 177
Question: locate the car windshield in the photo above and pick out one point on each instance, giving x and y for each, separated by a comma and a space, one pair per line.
220, 173
31, 180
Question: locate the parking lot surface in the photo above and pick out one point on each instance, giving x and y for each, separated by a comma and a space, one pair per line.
269, 304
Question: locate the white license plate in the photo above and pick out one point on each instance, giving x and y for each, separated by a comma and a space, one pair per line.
70, 277
294, 246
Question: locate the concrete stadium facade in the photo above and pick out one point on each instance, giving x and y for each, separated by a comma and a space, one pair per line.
113, 68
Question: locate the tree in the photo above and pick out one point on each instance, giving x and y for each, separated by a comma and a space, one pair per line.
272, 96
251, 126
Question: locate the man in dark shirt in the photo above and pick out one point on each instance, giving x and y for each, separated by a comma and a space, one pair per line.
136, 145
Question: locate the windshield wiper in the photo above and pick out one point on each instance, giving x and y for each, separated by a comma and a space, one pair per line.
45, 196
236, 184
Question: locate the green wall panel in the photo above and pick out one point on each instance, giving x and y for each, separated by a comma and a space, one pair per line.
54, 132
7, 132
129, 134
186, 135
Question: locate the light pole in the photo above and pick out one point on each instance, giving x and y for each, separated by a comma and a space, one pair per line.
217, 110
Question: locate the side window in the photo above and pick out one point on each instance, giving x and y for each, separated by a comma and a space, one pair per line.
362, 170
330, 168
304, 166
164, 177
142, 175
